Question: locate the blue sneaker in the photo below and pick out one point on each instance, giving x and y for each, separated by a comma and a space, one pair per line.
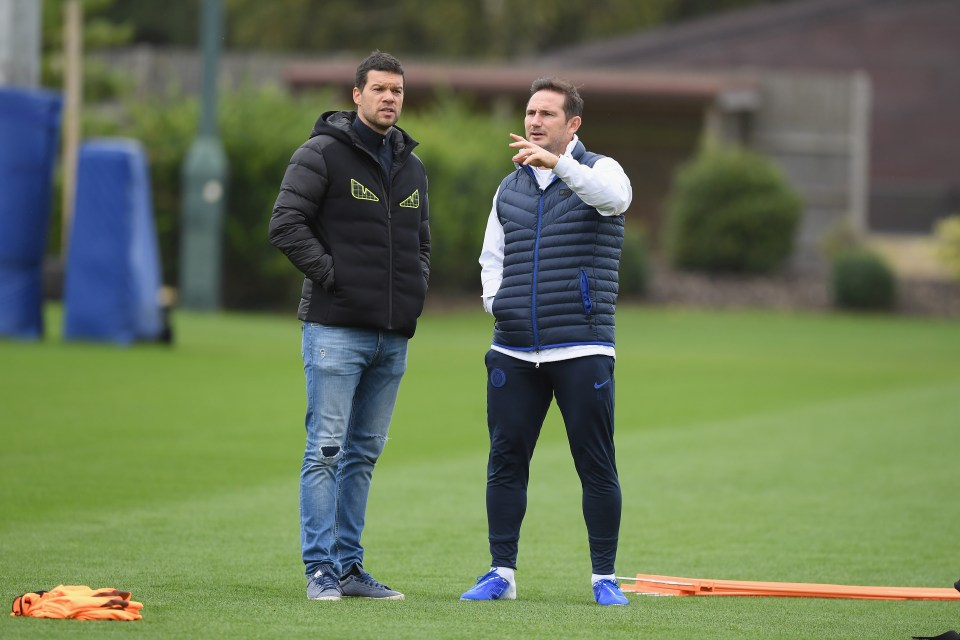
607, 593
491, 586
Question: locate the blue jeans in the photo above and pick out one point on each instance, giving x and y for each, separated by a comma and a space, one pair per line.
353, 376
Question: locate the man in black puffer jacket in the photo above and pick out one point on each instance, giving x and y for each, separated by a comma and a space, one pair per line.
352, 215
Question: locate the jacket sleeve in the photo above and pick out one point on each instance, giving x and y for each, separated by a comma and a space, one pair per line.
293, 224
425, 238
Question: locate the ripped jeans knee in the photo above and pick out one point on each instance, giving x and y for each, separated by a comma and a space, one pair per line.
329, 451
324, 455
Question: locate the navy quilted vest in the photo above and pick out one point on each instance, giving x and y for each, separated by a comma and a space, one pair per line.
560, 264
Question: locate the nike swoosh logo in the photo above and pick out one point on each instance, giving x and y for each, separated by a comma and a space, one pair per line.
601, 384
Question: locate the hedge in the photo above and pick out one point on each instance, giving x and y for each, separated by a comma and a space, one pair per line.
730, 210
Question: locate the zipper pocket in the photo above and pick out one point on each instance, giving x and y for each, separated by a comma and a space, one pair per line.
585, 292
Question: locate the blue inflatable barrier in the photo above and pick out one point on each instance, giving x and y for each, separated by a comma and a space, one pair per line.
112, 273
21, 302
29, 138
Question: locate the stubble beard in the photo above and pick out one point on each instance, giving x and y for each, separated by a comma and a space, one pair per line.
550, 144
381, 121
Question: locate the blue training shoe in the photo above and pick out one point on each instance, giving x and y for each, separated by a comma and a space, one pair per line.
491, 586
606, 592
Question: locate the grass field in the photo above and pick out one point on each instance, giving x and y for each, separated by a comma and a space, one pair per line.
751, 445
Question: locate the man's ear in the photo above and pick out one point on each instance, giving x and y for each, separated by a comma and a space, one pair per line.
356, 96
574, 123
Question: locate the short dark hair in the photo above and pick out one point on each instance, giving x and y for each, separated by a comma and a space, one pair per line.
377, 61
572, 102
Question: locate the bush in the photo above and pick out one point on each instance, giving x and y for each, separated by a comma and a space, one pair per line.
861, 279
947, 234
731, 210
634, 263
839, 238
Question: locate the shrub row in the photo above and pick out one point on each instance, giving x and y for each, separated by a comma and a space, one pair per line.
730, 210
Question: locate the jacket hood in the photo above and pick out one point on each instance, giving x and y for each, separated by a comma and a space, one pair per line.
339, 124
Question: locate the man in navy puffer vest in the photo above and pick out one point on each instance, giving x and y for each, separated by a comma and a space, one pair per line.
549, 271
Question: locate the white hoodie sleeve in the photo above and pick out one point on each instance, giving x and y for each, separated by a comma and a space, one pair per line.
605, 186
491, 257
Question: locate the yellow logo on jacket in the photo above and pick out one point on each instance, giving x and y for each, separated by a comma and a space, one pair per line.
413, 201
360, 192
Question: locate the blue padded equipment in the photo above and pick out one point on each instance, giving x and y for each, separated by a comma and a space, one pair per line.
112, 273
29, 138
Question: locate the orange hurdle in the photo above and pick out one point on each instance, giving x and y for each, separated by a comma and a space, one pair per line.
653, 585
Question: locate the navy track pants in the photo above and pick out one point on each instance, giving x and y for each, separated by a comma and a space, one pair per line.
519, 394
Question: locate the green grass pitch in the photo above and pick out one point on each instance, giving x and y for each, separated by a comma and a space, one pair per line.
751, 445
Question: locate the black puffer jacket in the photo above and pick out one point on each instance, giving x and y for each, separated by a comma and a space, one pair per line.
363, 246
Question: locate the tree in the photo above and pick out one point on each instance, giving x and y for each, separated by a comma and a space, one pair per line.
99, 31
471, 29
